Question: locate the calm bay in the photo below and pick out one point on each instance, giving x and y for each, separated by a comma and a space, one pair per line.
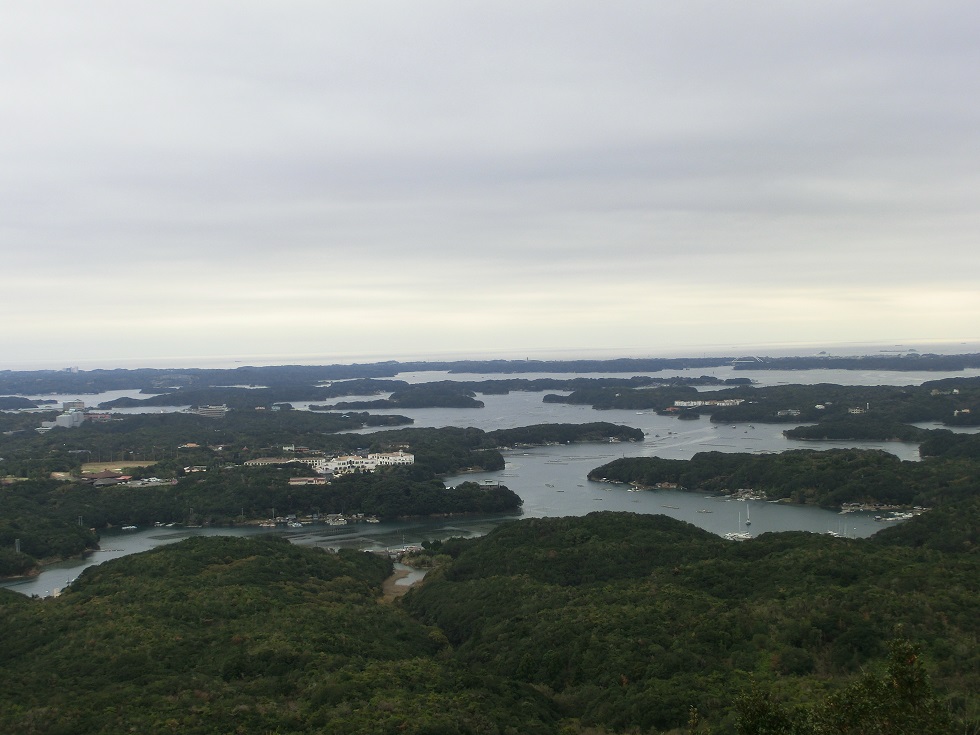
553, 480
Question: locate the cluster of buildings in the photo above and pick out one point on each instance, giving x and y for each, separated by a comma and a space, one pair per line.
359, 463
722, 403
211, 412
340, 465
72, 416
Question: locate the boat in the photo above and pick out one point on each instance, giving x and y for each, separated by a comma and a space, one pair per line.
748, 521
129, 528
672, 507
738, 535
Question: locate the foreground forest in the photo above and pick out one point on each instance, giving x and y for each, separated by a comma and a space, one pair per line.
609, 623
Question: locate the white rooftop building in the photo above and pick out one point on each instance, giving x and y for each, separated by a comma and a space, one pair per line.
356, 462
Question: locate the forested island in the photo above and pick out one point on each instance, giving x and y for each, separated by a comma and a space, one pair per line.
162, 380
827, 478
206, 480
435, 394
612, 622
842, 412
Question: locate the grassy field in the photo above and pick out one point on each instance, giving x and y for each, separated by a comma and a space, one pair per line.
113, 466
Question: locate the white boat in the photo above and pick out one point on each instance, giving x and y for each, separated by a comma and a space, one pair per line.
129, 528
738, 535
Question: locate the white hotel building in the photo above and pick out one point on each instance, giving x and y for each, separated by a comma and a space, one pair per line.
355, 463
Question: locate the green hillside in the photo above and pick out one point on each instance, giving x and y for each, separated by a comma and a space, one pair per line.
609, 623
227, 635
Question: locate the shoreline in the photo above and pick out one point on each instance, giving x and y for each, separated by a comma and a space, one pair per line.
391, 590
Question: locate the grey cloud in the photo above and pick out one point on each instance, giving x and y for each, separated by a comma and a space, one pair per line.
545, 143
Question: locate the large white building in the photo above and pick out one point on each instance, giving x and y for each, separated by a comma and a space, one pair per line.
211, 412
68, 420
720, 403
359, 463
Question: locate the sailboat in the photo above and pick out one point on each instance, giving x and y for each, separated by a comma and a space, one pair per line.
748, 521
738, 535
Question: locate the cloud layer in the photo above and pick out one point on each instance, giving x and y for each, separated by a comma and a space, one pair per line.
397, 178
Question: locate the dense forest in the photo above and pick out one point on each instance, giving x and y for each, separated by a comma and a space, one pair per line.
827, 478
851, 412
609, 623
628, 621
225, 635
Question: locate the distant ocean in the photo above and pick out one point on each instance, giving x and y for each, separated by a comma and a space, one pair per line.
714, 350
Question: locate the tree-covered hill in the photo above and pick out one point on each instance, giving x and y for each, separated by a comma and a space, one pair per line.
596, 431
228, 635
859, 428
951, 527
609, 623
866, 412
628, 621
826, 478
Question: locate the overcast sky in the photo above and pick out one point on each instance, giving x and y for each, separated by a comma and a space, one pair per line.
387, 179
